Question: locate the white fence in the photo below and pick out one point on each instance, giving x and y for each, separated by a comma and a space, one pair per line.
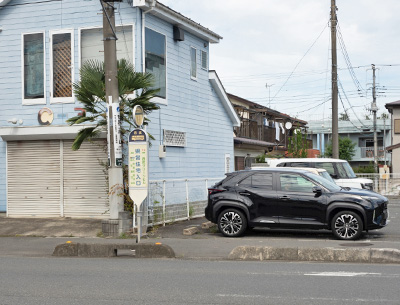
177, 199
385, 184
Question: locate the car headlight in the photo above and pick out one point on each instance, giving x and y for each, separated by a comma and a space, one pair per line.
367, 186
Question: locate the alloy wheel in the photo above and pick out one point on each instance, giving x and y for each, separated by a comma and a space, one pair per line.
346, 226
231, 223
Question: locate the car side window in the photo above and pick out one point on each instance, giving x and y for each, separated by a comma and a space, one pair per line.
295, 183
258, 180
299, 164
328, 166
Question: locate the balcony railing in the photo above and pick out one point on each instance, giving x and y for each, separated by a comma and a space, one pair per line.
368, 152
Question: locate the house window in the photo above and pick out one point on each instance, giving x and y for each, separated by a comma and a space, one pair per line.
61, 66
193, 64
155, 60
204, 60
92, 44
397, 126
33, 69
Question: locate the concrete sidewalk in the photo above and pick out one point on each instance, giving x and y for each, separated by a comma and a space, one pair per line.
41, 236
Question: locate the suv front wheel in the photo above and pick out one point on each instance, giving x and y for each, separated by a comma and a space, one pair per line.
347, 225
232, 223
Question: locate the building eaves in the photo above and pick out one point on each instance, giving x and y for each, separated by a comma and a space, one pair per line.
391, 147
166, 13
238, 140
261, 108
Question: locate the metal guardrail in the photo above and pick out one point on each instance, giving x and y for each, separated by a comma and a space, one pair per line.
173, 200
385, 184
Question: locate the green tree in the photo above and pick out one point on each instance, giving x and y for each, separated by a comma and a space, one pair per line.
297, 144
134, 89
346, 149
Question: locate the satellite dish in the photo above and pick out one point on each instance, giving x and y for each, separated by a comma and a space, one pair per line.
288, 125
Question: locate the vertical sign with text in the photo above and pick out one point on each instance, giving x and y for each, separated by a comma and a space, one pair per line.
138, 166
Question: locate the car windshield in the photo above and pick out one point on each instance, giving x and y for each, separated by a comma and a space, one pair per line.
327, 176
345, 170
325, 183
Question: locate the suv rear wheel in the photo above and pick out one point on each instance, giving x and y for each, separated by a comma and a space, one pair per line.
347, 225
232, 223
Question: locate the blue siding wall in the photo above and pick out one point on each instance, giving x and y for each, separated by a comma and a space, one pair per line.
193, 107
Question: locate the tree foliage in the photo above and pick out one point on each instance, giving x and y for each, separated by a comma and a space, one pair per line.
297, 144
346, 149
134, 89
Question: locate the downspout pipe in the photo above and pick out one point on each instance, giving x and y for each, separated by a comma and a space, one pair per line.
152, 6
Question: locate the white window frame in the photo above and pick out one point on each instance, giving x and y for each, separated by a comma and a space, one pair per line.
157, 99
38, 101
133, 95
202, 54
61, 100
195, 61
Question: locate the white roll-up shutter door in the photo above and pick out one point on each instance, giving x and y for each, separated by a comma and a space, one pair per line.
85, 186
33, 178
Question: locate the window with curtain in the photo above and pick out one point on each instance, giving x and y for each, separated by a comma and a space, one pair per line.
33, 61
155, 60
92, 44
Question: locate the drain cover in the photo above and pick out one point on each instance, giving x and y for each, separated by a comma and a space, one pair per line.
356, 245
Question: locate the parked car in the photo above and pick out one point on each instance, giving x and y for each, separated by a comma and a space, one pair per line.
292, 198
340, 170
318, 171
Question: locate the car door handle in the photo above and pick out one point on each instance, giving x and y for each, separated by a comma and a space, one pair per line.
284, 197
244, 193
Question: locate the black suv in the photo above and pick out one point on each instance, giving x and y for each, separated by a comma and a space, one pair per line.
292, 198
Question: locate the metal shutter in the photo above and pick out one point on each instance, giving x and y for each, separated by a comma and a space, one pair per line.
85, 185
33, 176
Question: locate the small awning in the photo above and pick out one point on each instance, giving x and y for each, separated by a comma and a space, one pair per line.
253, 142
391, 147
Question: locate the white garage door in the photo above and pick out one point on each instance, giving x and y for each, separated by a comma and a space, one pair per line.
48, 179
85, 185
33, 178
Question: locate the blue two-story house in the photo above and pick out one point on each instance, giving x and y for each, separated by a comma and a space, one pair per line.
42, 46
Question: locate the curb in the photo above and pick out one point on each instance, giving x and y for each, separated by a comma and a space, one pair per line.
157, 250
351, 255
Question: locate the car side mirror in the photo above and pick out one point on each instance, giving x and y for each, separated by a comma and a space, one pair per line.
317, 190
334, 176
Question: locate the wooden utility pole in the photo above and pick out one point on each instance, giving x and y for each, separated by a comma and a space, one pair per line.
335, 115
115, 176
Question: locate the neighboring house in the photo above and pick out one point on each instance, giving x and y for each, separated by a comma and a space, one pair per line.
394, 148
42, 46
360, 132
261, 130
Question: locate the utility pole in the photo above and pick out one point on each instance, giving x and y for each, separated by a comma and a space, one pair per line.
374, 110
335, 115
115, 176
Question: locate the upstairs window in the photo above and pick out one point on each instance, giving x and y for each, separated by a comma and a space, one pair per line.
155, 60
61, 66
193, 65
204, 60
33, 69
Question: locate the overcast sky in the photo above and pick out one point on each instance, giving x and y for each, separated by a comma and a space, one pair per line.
285, 44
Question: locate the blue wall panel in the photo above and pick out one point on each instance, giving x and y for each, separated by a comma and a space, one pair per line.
193, 107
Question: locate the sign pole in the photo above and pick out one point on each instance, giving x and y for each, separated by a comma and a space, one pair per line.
138, 166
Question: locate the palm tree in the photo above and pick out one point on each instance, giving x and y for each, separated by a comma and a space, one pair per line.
134, 89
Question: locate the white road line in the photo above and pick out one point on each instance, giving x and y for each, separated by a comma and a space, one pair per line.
343, 273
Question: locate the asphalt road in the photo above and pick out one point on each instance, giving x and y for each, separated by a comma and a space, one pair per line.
128, 281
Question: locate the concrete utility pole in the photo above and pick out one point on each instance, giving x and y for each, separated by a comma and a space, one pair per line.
335, 115
374, 110
115, 175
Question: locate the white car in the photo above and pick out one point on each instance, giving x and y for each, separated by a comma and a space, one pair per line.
339, 170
